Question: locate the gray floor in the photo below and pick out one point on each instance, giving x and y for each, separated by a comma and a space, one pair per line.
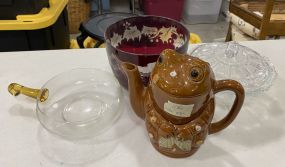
210, 32
207, 32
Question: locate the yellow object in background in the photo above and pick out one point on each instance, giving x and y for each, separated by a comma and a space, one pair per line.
194, 38
73, 44
45, 18
90, 42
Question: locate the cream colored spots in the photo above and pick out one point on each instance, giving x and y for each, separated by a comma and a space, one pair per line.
150, 135
198, 128
153, 119
173, 74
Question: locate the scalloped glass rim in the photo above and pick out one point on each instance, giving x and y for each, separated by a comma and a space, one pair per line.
270, 69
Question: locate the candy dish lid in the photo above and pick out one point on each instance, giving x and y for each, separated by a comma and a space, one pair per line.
234, 61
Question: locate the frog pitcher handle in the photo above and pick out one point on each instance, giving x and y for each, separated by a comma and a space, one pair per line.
228, 85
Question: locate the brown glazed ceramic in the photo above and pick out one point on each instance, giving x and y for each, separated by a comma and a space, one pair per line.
179, 103
140, 40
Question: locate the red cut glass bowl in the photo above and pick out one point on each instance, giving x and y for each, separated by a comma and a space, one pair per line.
140, 40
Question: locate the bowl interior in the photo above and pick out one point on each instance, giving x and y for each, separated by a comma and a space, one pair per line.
81, 103
146, 35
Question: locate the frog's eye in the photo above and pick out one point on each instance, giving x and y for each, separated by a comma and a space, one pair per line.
196, 74
160, 60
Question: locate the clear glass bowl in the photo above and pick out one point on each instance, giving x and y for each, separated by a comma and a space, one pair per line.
234, 61
81, 103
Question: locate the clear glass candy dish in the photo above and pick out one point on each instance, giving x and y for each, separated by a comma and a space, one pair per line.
76, 104
234, 61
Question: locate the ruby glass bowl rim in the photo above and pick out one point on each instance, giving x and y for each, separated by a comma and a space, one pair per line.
186, 31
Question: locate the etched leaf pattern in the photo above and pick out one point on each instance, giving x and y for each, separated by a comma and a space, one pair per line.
132, 33
164, 34
116, 40
149, 30
178, 42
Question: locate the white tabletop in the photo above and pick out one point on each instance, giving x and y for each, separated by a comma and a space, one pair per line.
255, 138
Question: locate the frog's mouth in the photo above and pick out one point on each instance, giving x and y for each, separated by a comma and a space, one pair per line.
179, 110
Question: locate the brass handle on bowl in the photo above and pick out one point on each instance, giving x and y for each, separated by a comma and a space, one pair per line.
16, 89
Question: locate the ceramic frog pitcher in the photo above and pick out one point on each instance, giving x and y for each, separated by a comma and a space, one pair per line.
179, 103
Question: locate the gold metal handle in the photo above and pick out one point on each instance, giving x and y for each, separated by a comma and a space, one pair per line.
16, 89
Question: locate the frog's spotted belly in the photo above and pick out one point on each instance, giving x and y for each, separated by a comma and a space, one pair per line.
171, 142
178, 139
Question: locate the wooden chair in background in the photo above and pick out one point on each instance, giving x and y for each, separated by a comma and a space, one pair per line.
267, 21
